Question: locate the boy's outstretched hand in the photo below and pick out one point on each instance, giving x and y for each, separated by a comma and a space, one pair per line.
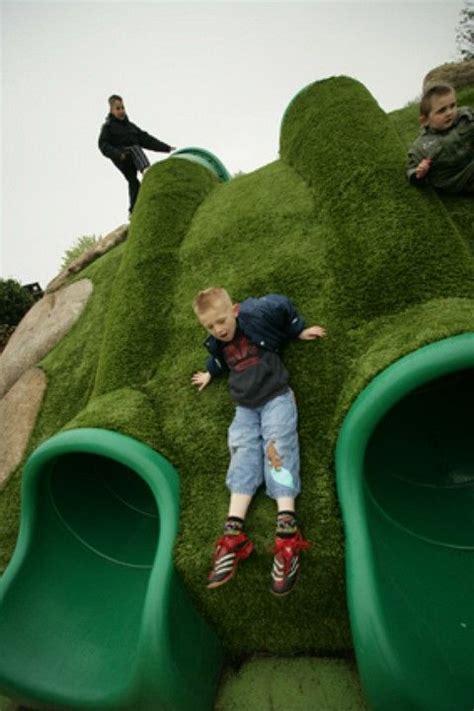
201, 379
312, 332
423, 167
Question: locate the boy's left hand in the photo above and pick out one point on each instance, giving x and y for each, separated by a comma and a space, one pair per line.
423, 167
201, 379
312, 332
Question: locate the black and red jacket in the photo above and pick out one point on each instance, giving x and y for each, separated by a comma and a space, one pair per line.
267, 322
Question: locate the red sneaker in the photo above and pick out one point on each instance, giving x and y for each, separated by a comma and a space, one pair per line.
286, 566
229, 550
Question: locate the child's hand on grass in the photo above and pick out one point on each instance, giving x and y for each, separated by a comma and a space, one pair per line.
201, 379
423, 167
312, 332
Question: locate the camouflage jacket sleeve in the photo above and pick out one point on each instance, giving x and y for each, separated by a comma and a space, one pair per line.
415, 156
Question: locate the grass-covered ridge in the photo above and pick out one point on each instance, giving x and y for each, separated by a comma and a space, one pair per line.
334, 225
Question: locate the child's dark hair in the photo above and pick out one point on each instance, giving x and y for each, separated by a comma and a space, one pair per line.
113, 98
440, 89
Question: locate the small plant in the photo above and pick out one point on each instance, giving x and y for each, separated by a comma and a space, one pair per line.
465, 31
81, 245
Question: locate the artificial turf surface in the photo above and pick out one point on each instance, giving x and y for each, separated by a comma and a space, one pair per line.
274, 684
333, 224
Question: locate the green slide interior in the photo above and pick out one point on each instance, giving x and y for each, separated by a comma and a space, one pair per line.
73, 603
73, 616
107, 508
419, 465
409, 515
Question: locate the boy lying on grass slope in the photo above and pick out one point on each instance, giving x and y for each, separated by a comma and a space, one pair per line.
443, 153
263, 440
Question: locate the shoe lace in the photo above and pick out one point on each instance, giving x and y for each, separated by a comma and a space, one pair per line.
287, 547
227, 543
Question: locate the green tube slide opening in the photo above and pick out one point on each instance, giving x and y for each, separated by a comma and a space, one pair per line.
405, 479
206, 159
101, 501
89, 613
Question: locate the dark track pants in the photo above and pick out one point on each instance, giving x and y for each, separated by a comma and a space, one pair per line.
135, 161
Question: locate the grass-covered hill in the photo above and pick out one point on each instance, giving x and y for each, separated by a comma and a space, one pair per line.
385, 267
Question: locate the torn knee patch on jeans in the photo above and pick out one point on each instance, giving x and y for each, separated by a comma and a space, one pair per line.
273, 455
278, 473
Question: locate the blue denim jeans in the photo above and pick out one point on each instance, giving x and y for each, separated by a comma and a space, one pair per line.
251, 432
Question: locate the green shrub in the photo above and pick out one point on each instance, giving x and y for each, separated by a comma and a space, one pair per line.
14, 302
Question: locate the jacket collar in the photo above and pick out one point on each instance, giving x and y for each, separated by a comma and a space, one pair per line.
111, 117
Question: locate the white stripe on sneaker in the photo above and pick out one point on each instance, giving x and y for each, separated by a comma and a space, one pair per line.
224, 564
278, 569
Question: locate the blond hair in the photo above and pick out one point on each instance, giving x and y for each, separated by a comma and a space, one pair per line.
208, 298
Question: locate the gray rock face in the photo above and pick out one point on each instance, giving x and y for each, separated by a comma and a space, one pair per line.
18, 412
458, 74
42, 327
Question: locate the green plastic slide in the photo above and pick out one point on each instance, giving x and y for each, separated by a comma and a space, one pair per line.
405, 478
205, 158
93, 614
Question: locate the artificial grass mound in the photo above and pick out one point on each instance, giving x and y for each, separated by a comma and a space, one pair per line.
332, 224
265, 684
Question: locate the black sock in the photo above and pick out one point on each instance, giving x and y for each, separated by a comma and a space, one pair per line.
286, 525
233, 526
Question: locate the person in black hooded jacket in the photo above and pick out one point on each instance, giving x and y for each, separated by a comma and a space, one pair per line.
122, 141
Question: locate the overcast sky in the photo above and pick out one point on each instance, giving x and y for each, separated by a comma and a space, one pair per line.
218, 75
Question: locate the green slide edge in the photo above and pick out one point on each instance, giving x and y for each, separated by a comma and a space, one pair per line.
205, 158
383, 392
149, 464
164, 675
